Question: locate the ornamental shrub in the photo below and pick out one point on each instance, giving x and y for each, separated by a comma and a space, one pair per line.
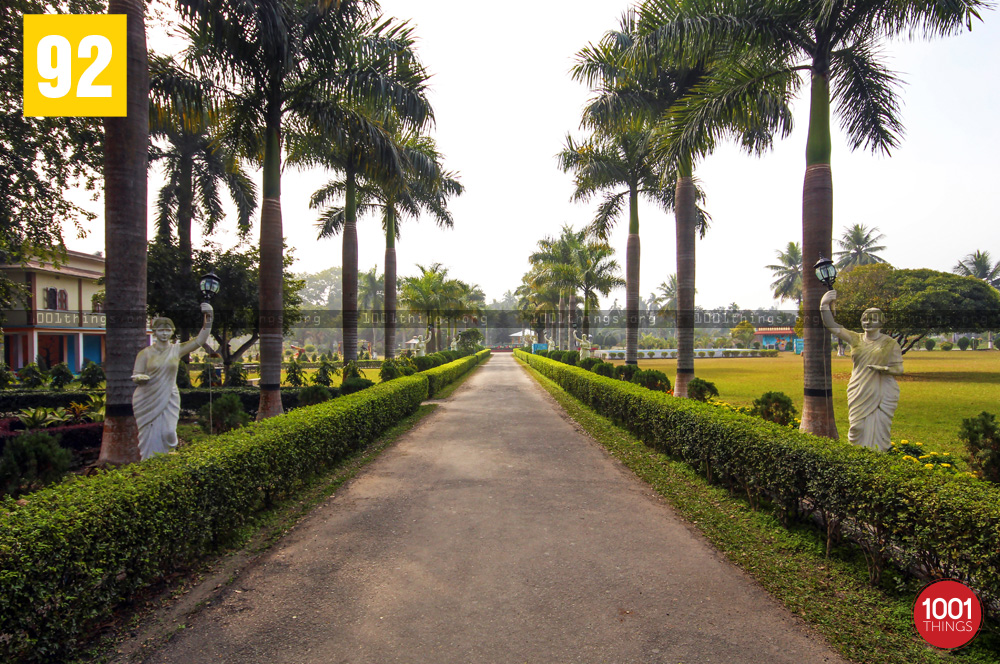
605, 369
626, 371
355, 384
542, 352
7, 377
351, 370
981, 435
236, 376
963, 343
30, 461
947, 345
701, 390
30, 375
588, 363
571, 357
929, 344
701, 353
225, 414
294, 375
325, 373
774, 407
314, 394
423, 362
557, 355
61, 376
651, 379
390, 369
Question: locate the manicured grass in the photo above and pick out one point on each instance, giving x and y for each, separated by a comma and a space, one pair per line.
938, 390
865, 624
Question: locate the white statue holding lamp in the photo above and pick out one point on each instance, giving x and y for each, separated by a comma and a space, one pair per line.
584, 342
156, 401
872, 393
422, 342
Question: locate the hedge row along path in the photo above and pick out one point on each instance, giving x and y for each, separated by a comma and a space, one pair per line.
494, 531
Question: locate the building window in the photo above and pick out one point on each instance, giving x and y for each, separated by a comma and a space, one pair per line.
63, 301
51, 298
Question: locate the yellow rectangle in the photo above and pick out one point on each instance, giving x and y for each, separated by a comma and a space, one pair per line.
75, 65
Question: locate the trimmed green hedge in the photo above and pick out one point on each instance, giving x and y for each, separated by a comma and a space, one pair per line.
948, 525
440, 376
191, 398
76, 550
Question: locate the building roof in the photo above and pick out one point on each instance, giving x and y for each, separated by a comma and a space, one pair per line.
95, 269
773, 330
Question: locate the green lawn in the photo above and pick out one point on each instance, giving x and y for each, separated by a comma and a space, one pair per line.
938, 390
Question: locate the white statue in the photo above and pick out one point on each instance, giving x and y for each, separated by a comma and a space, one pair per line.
584, 342
872, 393
550, 342
156, 401
422, 342
454, 344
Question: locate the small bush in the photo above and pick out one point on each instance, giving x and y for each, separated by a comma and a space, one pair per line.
981, 435
207, 376
61, 376
605, 369
947, 345
351, 370
30, 375
557, 355
929, 344
588, 363
236, 376
226, 414
325, 373
963, 343
423, 362
701, 353
774, 407
294, 374
183, 375
571, 357
626, 371
355, 384
7, 377
652, 379
31, 461
542, 353
701, 390
314, 394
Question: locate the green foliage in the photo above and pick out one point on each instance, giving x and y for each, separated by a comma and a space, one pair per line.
701, 390
31, 376
123, 529
470, 341
393, 368
351, 370
743, 333
35, 418
95, 407
61, 376
774, 407
325, 373
227, 413
556, 355
929, 344
963, 343
183, 375
314, 394
588, 363
445, 374
916, 453
355, 384
571, 357
626, 371
207, 376
652, 379
902, 510
542, 353
947, 345
236, 375
981, 435
294, 374
32, 460
7, 377
605, 369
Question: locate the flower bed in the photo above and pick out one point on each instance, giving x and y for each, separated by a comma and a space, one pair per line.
945, 524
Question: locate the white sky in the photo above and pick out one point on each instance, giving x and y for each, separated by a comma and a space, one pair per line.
504, 102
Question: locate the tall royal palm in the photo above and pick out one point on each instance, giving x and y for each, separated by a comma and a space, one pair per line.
125, 162
858, 246
423, 295
287, 61
837, 44
787, 273
981, 266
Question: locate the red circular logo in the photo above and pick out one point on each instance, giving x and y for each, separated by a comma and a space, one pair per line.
947, 614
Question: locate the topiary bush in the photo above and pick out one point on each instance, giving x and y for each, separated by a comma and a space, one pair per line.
31, 376
626, 371
60, 376
981, 435
325, 373
929, 344
294, 374
542, 353
424, 362
588, 363
556, 355
355, 384
30, 461
605, 369
774, 407
963, 343
351, 370
224, 413
947, 345
571, 357
701, 390
652, 379
314, 394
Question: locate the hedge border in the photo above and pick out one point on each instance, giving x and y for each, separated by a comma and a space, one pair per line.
438, 377
947, 524
70, 553
193, 398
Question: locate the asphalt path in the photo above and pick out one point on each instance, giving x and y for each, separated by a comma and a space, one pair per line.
494, 531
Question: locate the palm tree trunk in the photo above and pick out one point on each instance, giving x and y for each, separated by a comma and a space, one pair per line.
349, 274
125, 162
817, 238
684, 214
632, 281
560, 322
570, 320
271, 267
185, 214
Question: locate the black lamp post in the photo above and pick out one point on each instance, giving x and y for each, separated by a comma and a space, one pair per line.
210, 284
826, 271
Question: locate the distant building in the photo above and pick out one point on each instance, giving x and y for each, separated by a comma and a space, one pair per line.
60, 323
775, 338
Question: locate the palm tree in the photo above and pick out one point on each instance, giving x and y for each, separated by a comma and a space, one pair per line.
858, 247
423, 295
667, 299
370, 295
537, 302
981, 266
424, 188
304, 64
837, 44
787, 273
554, 260
125, 164
598, 274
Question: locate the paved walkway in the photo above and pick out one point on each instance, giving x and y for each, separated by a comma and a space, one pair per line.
494, 532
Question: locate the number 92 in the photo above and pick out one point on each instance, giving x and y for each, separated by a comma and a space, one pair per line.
62, 70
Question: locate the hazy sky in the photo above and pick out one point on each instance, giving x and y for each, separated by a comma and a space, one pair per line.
504, 102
